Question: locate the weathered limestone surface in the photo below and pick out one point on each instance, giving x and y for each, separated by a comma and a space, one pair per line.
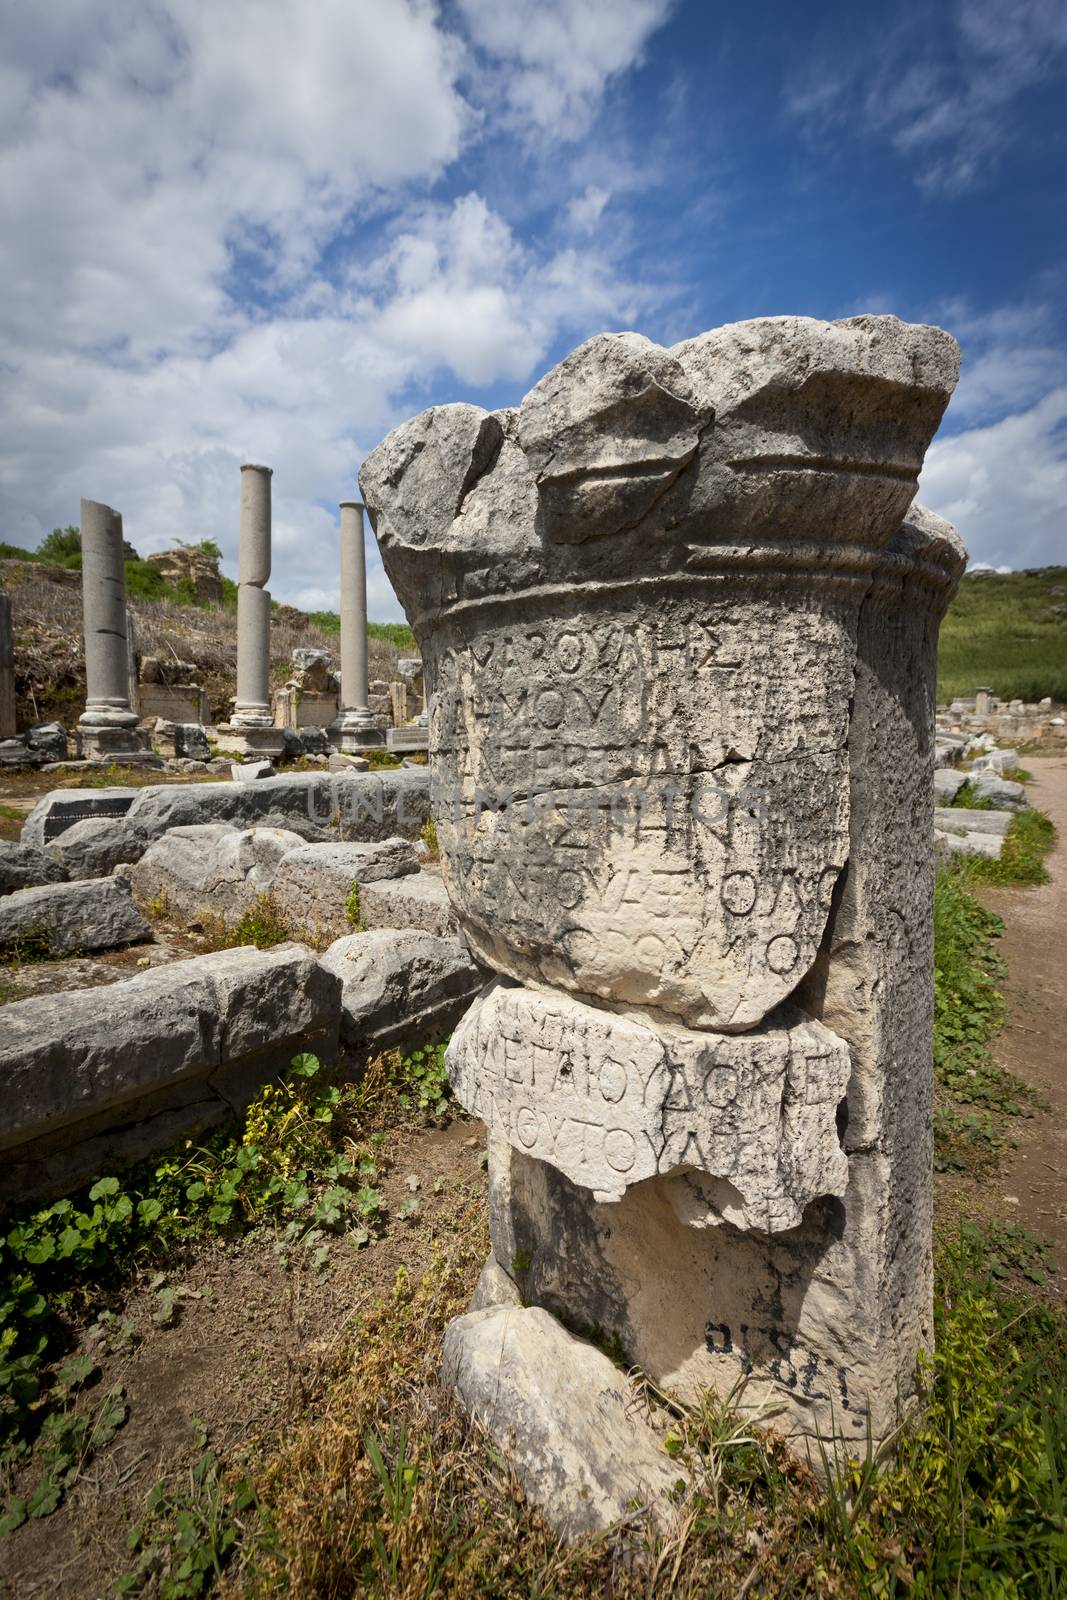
401, 984
212, 869
962, 819
313, 885
8, 721
410, 902
24, 867
128, 1068
355, 727
108, 722
679, 615
570, 1422
73, 917
640, 592
747, 1121
318, 806
252, 707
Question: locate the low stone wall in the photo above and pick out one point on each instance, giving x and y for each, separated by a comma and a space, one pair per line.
119, 824
121, 1071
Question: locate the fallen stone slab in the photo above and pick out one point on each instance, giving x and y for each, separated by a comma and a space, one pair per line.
400, 985
23, 867
409, 902
998, 761
320, 806
211, 869
569, 1421
965, 819
947, 784
66, 919
950, 843
313, 884
251, 771
123, 1070
95, 846
1003, 793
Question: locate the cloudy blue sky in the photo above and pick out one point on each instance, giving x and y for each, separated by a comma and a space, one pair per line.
270, 229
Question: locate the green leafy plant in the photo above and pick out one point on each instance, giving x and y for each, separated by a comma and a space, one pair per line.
353, 913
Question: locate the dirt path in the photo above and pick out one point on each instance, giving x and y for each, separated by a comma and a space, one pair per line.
1033, 1043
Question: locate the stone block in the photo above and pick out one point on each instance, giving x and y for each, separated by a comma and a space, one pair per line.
24, 867
964, 819
410, 902
746, 1124
947, 785
212, 869
573, 1426
116, 1072
73, 917
951, 843
400, 986
1003, 793
313, 884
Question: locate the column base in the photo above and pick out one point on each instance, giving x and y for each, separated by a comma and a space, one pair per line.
409, 737
234, 739
99, 742
354, 732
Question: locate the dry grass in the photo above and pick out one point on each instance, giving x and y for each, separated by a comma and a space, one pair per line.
49, 655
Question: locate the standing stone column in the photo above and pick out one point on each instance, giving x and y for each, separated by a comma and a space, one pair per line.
680, 618
108, 723
8, 723
356, 727
252, 707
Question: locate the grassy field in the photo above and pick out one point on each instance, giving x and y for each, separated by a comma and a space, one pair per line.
1002, 631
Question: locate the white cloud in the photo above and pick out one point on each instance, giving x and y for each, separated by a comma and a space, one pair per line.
218, 246
945, 99
554, 58
1005, 485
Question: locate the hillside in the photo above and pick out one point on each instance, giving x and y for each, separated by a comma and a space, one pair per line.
49, 655
1007, 631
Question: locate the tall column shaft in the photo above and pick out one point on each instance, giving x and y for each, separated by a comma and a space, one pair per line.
107, 701
354, 676
7, 671
252, 704
355, 728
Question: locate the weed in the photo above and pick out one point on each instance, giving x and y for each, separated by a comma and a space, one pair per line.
33, 944
968, 1011
262, 925
296, 1157
428, 835
353, 914
1029, 838
187, 1536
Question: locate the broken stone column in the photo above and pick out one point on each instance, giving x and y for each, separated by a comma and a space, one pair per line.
251, 729
108, 724
680, 618
252, 706
356, 727
983, 702
8, 722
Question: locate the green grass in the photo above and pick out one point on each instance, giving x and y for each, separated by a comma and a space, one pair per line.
973, 1095
1029, 838
1000, 632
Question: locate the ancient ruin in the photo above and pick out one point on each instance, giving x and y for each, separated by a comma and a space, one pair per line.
252, 723
108, 725
356, 728
679, 615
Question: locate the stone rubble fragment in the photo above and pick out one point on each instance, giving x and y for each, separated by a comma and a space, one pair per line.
749, 1121
66, 919
569, 1421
